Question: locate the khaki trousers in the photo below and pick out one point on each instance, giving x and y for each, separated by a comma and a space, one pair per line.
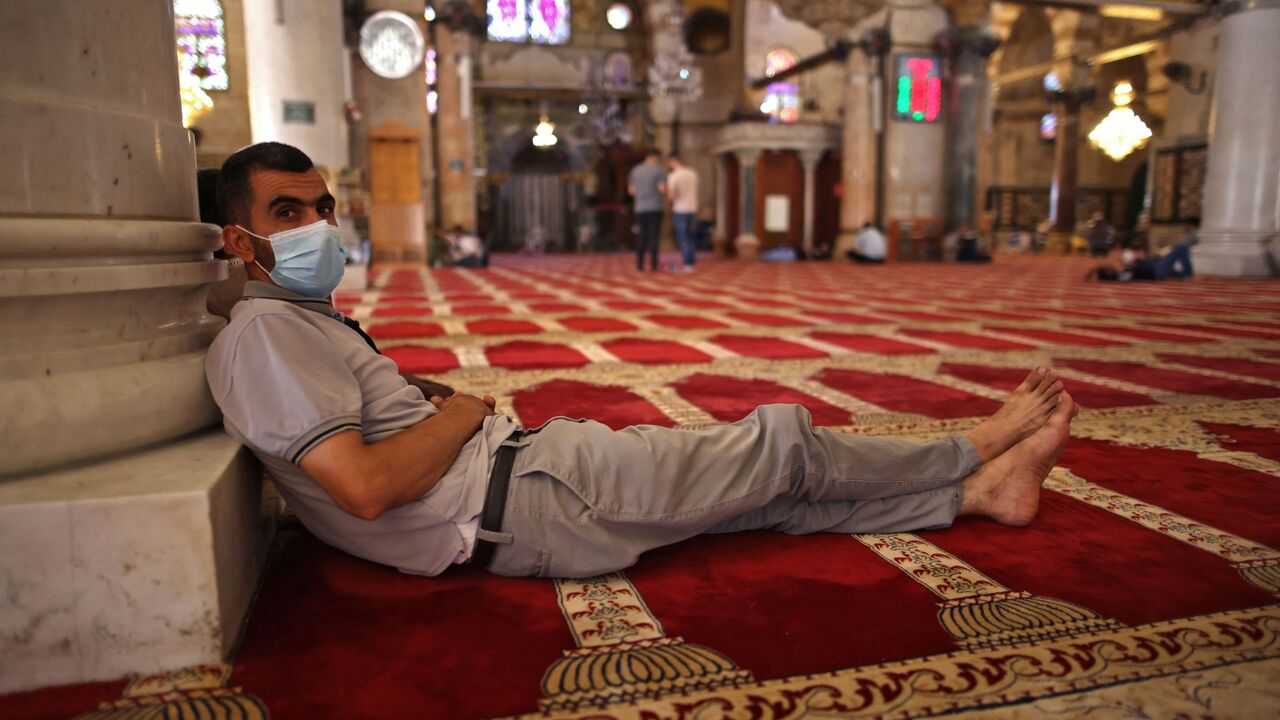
586, 500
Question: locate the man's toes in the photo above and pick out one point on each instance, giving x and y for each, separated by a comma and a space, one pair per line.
1031, 382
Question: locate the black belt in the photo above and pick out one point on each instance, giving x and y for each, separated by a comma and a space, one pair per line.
495, 501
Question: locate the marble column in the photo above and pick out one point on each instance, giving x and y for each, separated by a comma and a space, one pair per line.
395, 111
968, 91
809, 160
858, 167
1242, 190
455, 122
130, 533
747, 244
719, 240
1062, 192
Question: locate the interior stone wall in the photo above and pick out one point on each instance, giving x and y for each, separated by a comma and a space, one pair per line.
294, 53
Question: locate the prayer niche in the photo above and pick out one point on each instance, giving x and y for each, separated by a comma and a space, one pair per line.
202, 46
541, 21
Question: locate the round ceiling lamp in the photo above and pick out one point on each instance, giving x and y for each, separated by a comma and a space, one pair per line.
618, 16
391, 44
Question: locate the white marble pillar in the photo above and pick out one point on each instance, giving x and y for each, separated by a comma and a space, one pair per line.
809, 160
130, 538
747, 244
1242, 190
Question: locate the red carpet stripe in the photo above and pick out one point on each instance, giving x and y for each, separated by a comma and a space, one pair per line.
1172, 380
729, 399
900, 393
614, 406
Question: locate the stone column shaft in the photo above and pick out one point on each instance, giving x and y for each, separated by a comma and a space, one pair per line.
967, 93
722, 197
131, 527
809, 159
1242, 190
858, 169
747, 191
455, 121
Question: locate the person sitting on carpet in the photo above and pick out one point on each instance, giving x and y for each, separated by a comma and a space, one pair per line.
373, 467
869, 246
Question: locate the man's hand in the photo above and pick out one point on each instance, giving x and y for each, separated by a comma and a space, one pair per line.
485, 405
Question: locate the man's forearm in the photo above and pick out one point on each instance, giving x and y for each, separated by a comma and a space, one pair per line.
366, 480
410, 463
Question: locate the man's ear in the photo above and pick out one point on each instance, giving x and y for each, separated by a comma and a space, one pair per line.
238, 243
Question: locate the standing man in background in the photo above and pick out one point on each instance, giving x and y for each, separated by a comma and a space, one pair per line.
648, 186
682, 188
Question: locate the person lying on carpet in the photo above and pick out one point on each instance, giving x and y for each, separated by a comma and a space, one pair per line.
372, 467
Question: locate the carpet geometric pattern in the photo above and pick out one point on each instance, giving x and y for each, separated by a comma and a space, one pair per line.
1149, 586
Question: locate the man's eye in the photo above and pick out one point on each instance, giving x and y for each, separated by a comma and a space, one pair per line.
286, 213
325, 210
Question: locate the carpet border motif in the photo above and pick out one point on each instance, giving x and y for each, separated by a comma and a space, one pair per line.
988, 678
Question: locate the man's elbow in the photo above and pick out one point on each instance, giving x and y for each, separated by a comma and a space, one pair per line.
363, 505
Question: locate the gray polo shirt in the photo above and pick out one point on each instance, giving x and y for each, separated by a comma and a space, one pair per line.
645, 178
288, 373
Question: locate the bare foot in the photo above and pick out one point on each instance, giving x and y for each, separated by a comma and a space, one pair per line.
1007, 489
1026, 411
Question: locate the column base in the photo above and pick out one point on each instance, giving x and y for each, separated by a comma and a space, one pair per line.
140, 563
721, 247
1235, 254
747, 246
1058, 243
847, 240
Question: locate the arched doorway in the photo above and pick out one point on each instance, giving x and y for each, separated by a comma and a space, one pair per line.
539, 197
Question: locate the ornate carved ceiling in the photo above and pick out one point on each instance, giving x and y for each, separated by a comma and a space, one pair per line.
832, 18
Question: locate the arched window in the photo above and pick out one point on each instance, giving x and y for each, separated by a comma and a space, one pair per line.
781, 99
202, 46
542, 21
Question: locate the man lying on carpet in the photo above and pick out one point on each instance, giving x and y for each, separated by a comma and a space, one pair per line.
371, 467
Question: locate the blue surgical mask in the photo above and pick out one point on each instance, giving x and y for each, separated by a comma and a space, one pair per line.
310, 259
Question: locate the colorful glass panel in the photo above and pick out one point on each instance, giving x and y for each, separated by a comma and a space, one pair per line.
918, 88
202, 45
549, 21
508, 20
781, 99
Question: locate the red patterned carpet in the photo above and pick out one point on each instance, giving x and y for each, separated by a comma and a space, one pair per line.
1147, 588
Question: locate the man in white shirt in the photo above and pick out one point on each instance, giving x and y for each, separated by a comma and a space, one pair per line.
869, 246
372, 467
682, 190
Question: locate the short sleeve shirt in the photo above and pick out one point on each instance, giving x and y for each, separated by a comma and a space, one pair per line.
647, 178
682, 184
288, 374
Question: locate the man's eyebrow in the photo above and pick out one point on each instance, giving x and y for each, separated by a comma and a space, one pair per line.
290, 199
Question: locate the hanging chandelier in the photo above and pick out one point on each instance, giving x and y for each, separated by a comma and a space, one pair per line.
544, 135
1121, 131
195, 101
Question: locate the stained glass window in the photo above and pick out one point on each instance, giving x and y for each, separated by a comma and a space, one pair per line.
549, 21
429, 65
508, 20
542, 21
781, 99
202, 46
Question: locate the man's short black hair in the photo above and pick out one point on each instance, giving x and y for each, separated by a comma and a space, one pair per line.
652, 152
675, 157
235, 196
